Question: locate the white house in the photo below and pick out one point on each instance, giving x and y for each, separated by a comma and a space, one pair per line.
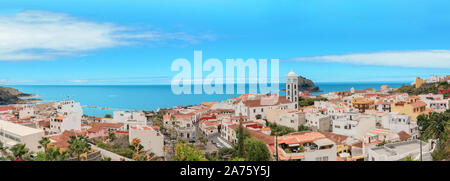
398, 123
69, 115
150, 138
129, 119
355, 126
318, 122
25, 110
435, 102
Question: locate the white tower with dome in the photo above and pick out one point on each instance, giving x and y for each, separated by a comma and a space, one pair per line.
292, 87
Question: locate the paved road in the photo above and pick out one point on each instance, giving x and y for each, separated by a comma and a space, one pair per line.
224, 142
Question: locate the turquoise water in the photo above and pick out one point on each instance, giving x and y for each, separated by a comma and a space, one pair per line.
148, 97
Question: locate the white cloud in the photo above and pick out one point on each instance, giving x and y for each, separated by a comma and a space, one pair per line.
78, 81
42, 35
417, 59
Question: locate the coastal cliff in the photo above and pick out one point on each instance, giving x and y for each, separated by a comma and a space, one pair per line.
305, 84
11, 96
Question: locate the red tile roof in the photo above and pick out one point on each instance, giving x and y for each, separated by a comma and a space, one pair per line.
6, 108
107, 125
403, 135
62, 139
419, 104
302, 138
263, 137
44, 123
336, 138
257, 103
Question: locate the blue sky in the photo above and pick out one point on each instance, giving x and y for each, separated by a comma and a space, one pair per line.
135, 42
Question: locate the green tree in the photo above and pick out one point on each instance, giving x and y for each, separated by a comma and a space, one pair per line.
186, 152
226, 153
203, 140
52, 154
280, 130
302, 148
309, 102
78, 145
409, 158
43, 143
111, 136
237, 159
435, 126
304, 128
105, 159
3, 151
256, 150
382, 143
19, 152
108, 116
240, 151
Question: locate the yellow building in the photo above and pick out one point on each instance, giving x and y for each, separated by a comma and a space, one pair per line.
419, 82
362, 104
412, 108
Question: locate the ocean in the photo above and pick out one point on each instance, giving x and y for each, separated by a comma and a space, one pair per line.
150, 97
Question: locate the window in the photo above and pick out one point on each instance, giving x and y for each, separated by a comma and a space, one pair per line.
325, 158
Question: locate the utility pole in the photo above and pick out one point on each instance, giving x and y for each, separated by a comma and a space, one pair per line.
276, 145
241, 129
420, 141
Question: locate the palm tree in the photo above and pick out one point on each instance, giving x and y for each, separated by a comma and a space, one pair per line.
434, 126
53, 154
19, 152
78, 146
44, 143
57, 155
3, 151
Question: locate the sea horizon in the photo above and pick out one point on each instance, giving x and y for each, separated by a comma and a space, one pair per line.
153, 97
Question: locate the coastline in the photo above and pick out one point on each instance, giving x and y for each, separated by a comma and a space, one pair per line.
152, 97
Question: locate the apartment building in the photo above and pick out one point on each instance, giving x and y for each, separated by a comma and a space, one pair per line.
12, 134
